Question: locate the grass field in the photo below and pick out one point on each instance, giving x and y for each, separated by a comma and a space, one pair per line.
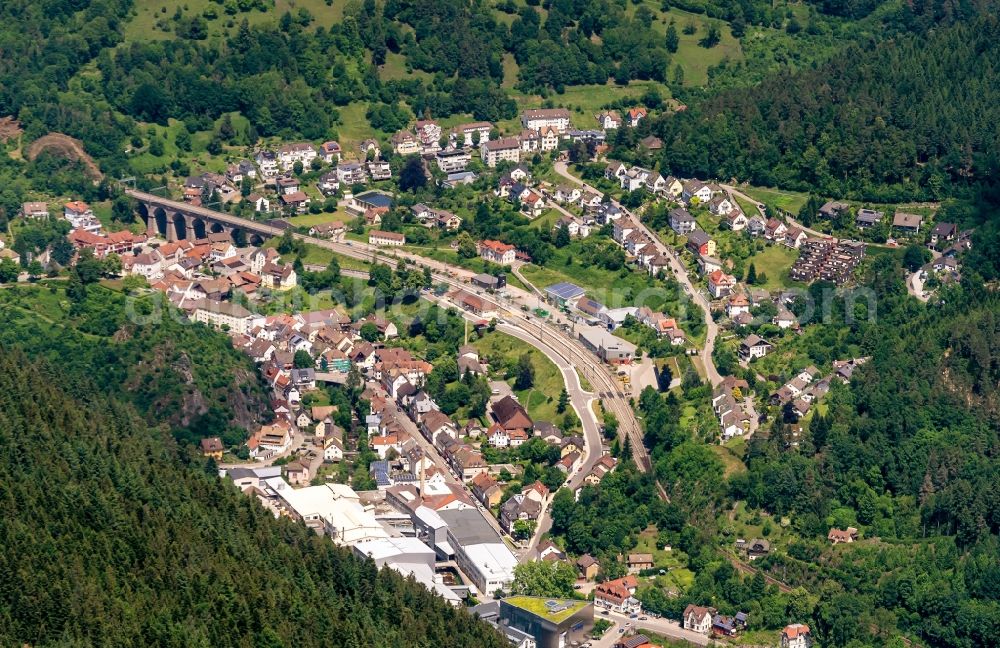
774, 261
198, 158
613, 289
662, 559
308, 220
510, 70
790, 201
749, 208
540, 400
355, 128
730, 455
692, 57
395, 68
316, 255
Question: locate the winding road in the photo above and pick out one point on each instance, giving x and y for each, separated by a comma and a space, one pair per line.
680, 273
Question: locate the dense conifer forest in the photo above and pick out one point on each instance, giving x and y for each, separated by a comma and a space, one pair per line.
114, 535
910, 118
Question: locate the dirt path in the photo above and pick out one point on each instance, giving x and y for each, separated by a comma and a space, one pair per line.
67, 147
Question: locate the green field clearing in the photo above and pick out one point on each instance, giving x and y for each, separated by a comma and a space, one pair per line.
308, 220
546, 220
775, 261
730, 455
584, 101
749, 208
510, 70
692, 57
662, 559
316, 255
198, 158
540, 400
695, 59
610, 288
395, 68
355, 128
790, 201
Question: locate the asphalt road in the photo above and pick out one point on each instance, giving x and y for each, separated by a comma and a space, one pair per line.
599, 375
580, 400
680, 273
661, 626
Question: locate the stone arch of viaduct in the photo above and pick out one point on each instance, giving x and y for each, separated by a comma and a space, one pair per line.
178, 221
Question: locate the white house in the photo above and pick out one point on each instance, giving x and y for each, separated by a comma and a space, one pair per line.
796, 635
696, 189
389, 239
465, 134
289, 154
609, 120
495, 151
497, 252
540, 118
754, 347
698, 619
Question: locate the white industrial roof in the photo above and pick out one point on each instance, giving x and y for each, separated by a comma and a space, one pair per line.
493, 559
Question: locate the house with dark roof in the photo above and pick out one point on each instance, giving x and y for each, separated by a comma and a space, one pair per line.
833, 209
866, 218
511, 415
681, 221
212, 447
700, 243
635, 641
754, 346
521, 508
728, 626
943, 232
588, 567
907, 223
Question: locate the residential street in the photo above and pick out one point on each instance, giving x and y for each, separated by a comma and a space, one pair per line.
712, 329
581, 401
566, 345
661, 626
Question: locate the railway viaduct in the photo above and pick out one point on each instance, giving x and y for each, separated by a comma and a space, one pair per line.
176, 221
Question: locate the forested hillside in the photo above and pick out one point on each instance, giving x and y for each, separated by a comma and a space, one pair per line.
908, 453
916, 117
174, 372
112, 536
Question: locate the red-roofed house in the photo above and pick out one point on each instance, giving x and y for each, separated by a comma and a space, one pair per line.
796, 635
497, 252
847, 536
720, 284
634, 116
618, 596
